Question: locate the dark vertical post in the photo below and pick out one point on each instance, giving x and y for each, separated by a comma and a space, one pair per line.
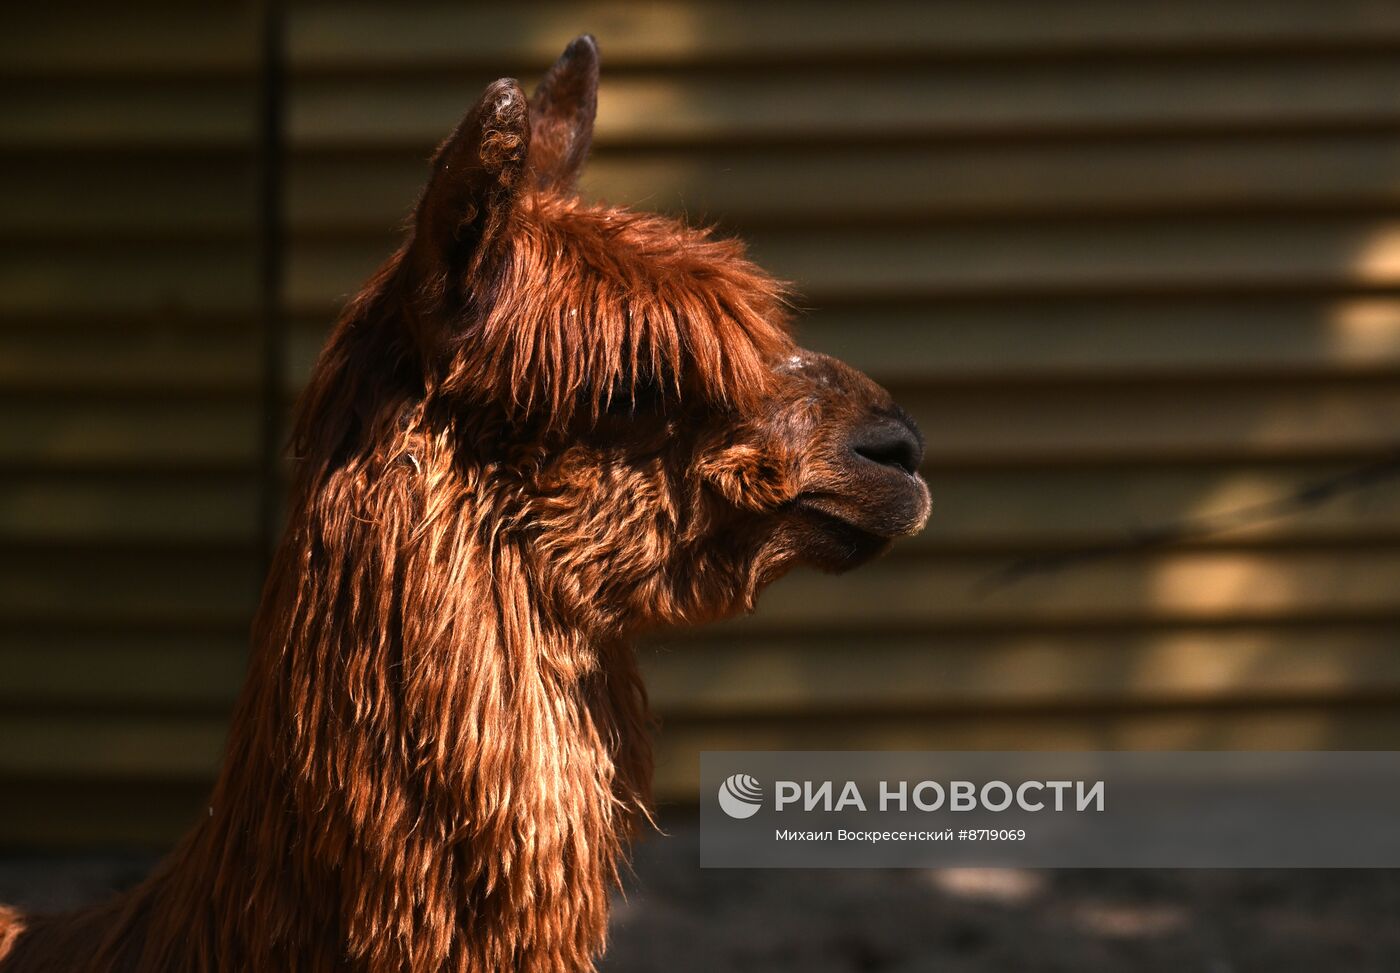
271, 262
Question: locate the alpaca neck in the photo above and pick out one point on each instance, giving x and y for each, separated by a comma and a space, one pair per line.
426, 769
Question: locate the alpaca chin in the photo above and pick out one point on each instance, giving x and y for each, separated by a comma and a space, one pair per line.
831, 544
837, 534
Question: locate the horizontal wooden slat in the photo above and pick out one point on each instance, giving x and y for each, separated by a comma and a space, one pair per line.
910, 183
1004, 342
896, 595
43, 813
153, 430
735, 678
131, 357
111, 586
933, 262
173, 40
977, 426
170, 40
1190, 586
922, 101
718, 677
66, 194
1162, 254
99, 749
1067, 510
1316, 727
1158, 423
951, 261
964, 426
1072, 508
132, 198
84, 115
134, 671
149, 508
111, 748
1192, 338
970, 426
86, 277
160, 39
363, 37
916, 183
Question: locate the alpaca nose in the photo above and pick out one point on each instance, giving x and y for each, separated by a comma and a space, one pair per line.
890, 442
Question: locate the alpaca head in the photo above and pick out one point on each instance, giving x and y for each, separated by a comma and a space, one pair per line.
667, 446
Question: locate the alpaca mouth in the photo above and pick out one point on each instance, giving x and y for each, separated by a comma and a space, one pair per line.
819, 508
832, 542
895, 506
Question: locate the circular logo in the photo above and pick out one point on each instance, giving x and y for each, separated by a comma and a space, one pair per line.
740, 796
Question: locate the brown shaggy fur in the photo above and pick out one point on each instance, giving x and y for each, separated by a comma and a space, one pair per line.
543, 428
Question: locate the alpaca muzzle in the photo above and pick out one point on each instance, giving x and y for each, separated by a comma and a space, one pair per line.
877, 497
889, 498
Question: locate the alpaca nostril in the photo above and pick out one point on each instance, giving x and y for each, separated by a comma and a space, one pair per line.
889, 444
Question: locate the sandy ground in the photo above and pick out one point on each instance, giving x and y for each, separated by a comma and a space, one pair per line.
682, 919
678, 918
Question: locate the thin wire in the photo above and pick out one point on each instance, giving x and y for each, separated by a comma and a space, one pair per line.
1307, 497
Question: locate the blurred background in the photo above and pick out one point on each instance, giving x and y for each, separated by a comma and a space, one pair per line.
1134, 268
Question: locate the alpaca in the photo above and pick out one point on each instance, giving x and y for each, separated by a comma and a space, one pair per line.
544, 428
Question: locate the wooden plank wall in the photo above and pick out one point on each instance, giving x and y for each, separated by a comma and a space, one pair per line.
129, 377
1129, 267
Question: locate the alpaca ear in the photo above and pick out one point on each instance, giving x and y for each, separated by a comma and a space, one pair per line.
472, 190
562, 111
